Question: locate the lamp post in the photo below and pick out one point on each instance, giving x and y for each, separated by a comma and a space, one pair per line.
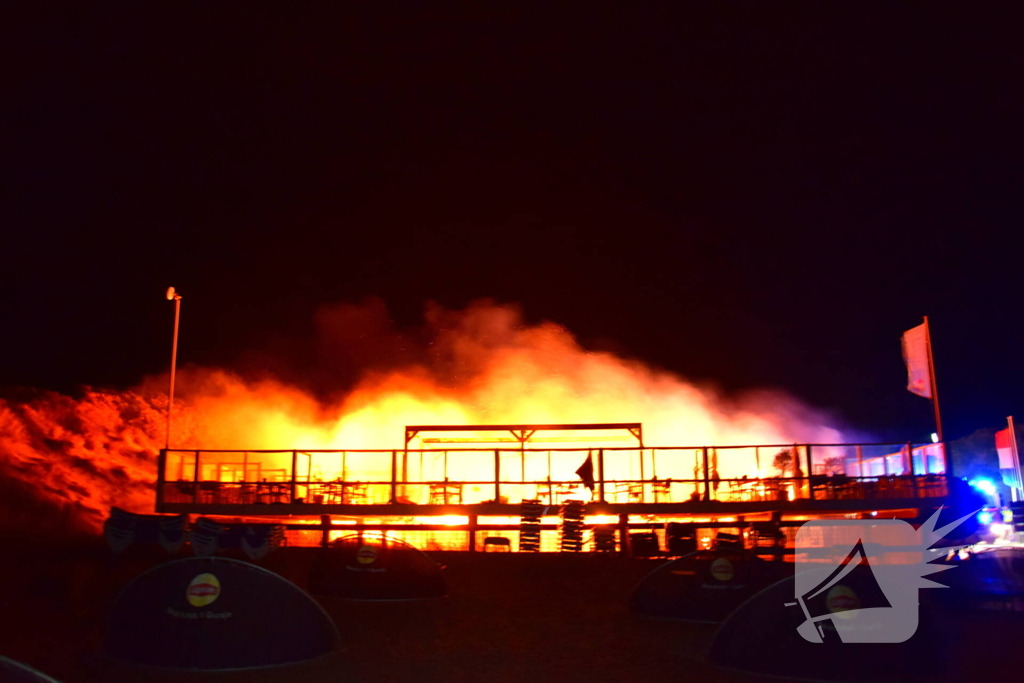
176, 298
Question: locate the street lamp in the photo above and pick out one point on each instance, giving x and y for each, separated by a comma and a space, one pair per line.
176, 298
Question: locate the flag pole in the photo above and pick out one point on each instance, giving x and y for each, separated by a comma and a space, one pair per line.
935, 397
1016, 458
931, 376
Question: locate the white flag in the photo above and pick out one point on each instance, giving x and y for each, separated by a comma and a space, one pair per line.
915, 355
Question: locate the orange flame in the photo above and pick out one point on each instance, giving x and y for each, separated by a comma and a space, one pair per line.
484, 365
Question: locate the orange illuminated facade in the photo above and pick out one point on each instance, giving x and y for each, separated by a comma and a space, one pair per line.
450, 477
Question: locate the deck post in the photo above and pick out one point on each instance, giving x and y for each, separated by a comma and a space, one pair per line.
325, 528
497, 476
472, 533
195, 482
161, 465
913, 475
643, 482
600, 473
295, 467
624, 548
707, 474
394, 474
810, 470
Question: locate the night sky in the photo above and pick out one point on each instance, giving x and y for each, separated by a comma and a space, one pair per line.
756, 195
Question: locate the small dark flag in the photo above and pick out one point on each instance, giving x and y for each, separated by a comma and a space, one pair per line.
586, 473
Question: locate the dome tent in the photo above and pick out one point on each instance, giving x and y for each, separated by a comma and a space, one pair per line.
704, 586
375, 567
762, 637
213, 614
16, 672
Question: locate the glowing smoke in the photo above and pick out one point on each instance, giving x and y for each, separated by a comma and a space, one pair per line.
76, 458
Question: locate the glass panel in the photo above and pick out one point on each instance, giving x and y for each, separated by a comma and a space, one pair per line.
180, 466
478, 466
268, 467
302, 466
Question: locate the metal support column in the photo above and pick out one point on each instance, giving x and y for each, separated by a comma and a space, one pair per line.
707, 474
810, 469
624, 548
161, 466
394, 475
195, 481
497, 476
910, 459
325, 528
295, 468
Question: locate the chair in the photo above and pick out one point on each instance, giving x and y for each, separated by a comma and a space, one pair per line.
662, 490
209, 491
767, 535
495, 544
932, 486
446, 493
453, 494
726, 540
633, 491
186, 489
247, 493
727, 490
774, 489
820, 487
545, 492
270, 492
842, 487
354, 493
681, 537
564, 492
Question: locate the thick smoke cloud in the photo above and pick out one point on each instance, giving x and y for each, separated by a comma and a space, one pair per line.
357, 382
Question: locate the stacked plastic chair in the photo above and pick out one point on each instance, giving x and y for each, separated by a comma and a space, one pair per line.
256, 540
123, 529
572, 526
604, 538
529, 526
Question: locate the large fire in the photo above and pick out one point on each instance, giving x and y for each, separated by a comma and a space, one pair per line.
477, 366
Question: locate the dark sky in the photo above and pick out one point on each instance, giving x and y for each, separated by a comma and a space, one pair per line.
759, 195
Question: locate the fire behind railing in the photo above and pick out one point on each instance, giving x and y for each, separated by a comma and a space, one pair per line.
619, 475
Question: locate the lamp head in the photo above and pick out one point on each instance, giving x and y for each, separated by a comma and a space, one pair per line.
172, 295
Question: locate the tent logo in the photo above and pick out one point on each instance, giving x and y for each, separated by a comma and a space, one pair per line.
842, 599
203, 590
857, 580
722, 569
366, 554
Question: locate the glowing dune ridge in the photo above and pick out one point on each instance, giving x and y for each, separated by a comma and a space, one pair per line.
77, 457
